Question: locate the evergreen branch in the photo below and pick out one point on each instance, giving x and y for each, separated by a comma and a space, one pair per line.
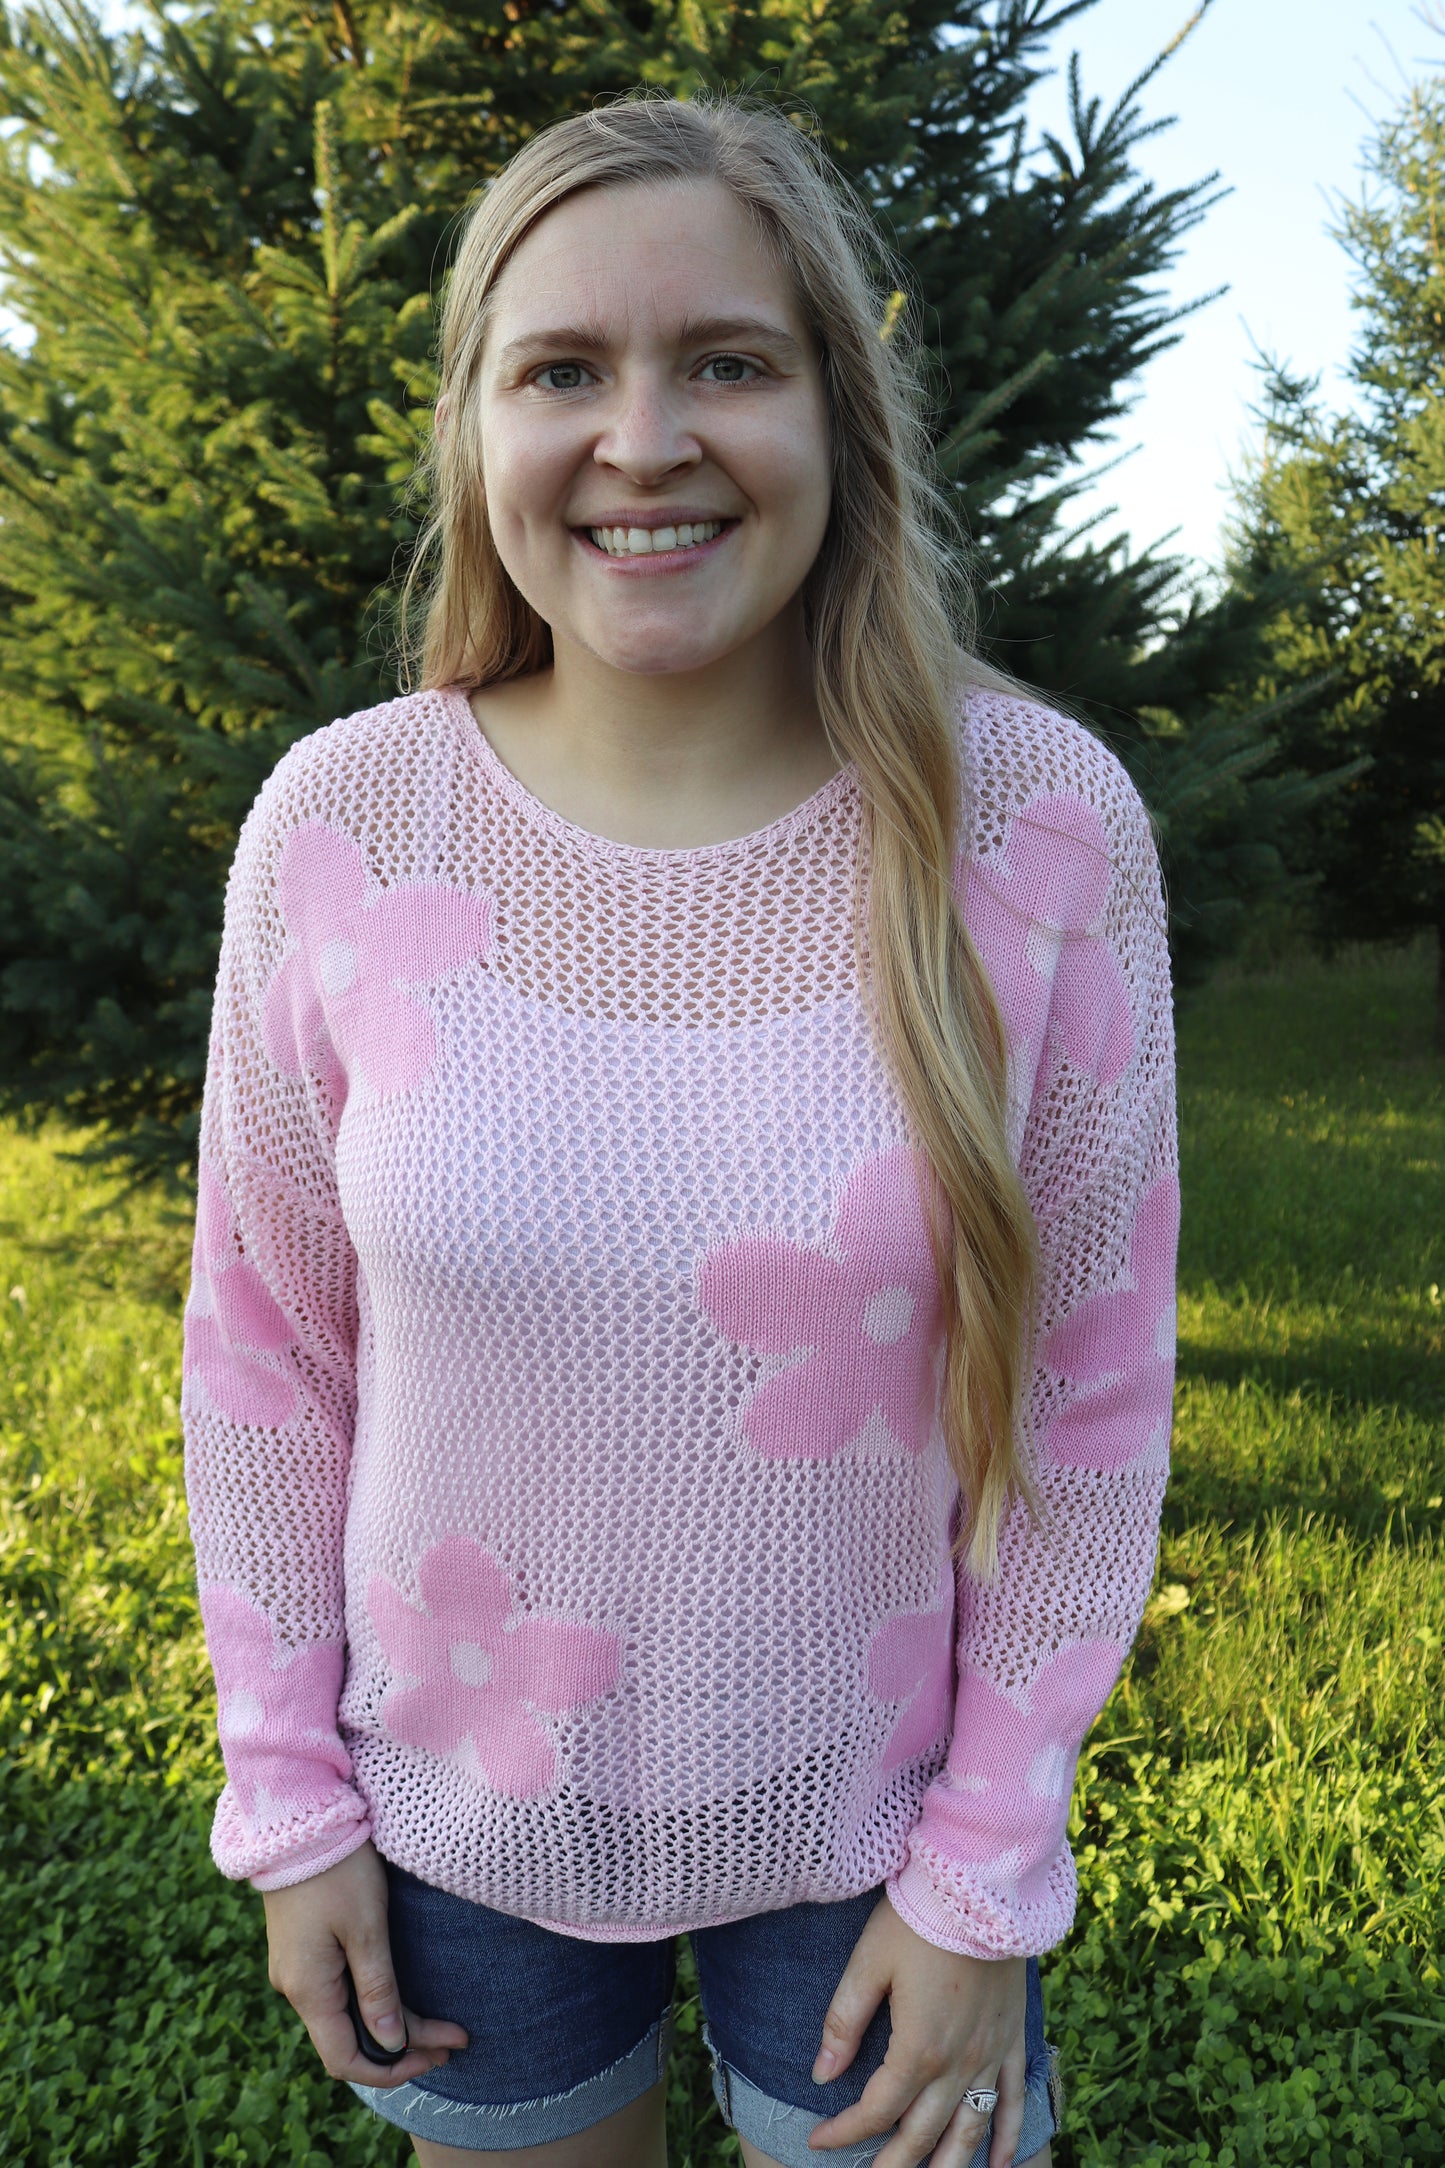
967, 437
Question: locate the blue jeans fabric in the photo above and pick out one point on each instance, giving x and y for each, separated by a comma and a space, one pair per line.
563, 2033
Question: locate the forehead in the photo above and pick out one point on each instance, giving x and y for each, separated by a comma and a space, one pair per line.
642, 253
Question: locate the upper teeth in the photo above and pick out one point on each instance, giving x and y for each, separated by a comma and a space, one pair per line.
639, 541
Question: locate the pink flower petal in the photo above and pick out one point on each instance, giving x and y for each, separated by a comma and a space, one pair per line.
882, 1196
408, 1637
277, 1709
908, 1400
1001, 939
238, 1635
466, 1589
902, 1651
1091, 1010
556, 1664
799, 1415
1104, 1333
1111, 1427
770, 1295
390, 1037
436, 1716
291, 1016
422, 930
996, 1743
515, 1754
911, 1660
1125, 1336
1155, 1240
321, 880
922, 1724
1055, 866
1051, 879
237, 1384
247, 1313
1013, 1835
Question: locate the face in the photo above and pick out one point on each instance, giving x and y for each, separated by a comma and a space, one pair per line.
654, 428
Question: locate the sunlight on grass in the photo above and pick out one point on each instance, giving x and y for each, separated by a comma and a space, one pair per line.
1255, 1971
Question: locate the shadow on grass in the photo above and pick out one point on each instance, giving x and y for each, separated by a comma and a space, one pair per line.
148, 1266
1350, 1382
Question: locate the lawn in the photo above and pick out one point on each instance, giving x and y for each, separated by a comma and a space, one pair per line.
1255, 1973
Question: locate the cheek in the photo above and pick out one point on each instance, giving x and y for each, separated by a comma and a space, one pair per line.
795, 477
525, 477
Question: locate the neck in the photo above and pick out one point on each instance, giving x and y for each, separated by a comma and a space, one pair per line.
749, 714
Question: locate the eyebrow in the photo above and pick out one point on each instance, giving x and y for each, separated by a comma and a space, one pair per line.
693, 331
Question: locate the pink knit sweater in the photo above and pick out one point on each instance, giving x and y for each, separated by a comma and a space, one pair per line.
571, 1510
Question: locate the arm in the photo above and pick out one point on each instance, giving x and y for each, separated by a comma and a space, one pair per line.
1069, 917
989, 1873
268, 1399
268, 1408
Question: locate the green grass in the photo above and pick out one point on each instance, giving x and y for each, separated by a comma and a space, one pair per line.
1255, 1973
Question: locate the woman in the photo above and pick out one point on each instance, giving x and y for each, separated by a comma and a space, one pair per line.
678, 1373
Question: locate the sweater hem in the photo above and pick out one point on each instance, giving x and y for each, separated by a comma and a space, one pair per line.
663, 1931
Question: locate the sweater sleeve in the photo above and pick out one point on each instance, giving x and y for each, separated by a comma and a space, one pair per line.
269, 1387
1069, 917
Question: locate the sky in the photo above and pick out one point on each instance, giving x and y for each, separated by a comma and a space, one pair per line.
1281, 97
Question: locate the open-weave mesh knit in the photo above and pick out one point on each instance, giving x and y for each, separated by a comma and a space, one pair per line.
563, 1354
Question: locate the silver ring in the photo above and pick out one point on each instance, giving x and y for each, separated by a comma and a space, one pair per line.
983, 2099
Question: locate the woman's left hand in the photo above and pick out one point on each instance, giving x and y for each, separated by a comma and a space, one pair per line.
958, 2025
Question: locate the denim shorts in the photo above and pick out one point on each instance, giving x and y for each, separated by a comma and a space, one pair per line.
564, 2032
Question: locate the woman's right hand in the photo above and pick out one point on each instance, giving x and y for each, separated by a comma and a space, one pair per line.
315, 1930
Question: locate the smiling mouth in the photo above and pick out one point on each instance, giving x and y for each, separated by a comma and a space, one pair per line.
653, 541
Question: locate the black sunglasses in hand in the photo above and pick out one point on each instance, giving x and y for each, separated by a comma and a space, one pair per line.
366, 2042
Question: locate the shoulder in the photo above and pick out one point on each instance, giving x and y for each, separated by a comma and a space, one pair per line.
1058, 876
360, 773
1023, 759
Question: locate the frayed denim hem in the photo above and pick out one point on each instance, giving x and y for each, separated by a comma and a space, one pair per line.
508, 2126
781, 2131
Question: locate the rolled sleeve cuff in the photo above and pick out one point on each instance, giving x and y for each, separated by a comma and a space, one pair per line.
276, 1856
956, 1909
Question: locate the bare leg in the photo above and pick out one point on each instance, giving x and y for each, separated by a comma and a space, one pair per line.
635, 2137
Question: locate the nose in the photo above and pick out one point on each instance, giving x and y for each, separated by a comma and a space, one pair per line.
644, 433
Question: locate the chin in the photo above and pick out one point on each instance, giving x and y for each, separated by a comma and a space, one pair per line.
658, 658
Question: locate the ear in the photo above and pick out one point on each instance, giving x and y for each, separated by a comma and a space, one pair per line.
441, 414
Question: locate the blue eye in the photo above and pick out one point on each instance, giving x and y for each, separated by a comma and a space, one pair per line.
574, 369
730, 362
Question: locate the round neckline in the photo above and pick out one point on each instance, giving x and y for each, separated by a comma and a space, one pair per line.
544, 816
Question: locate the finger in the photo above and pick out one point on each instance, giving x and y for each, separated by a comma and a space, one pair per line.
334, 2038
1008, 2116
970, 2126
434, 2032
922, 2129
887, 2096
848, 2016
369, 1956
322, 2007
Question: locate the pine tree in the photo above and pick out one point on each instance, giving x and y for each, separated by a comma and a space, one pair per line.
1353, 505
225, 233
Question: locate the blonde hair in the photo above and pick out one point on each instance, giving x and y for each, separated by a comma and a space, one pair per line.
889, 673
